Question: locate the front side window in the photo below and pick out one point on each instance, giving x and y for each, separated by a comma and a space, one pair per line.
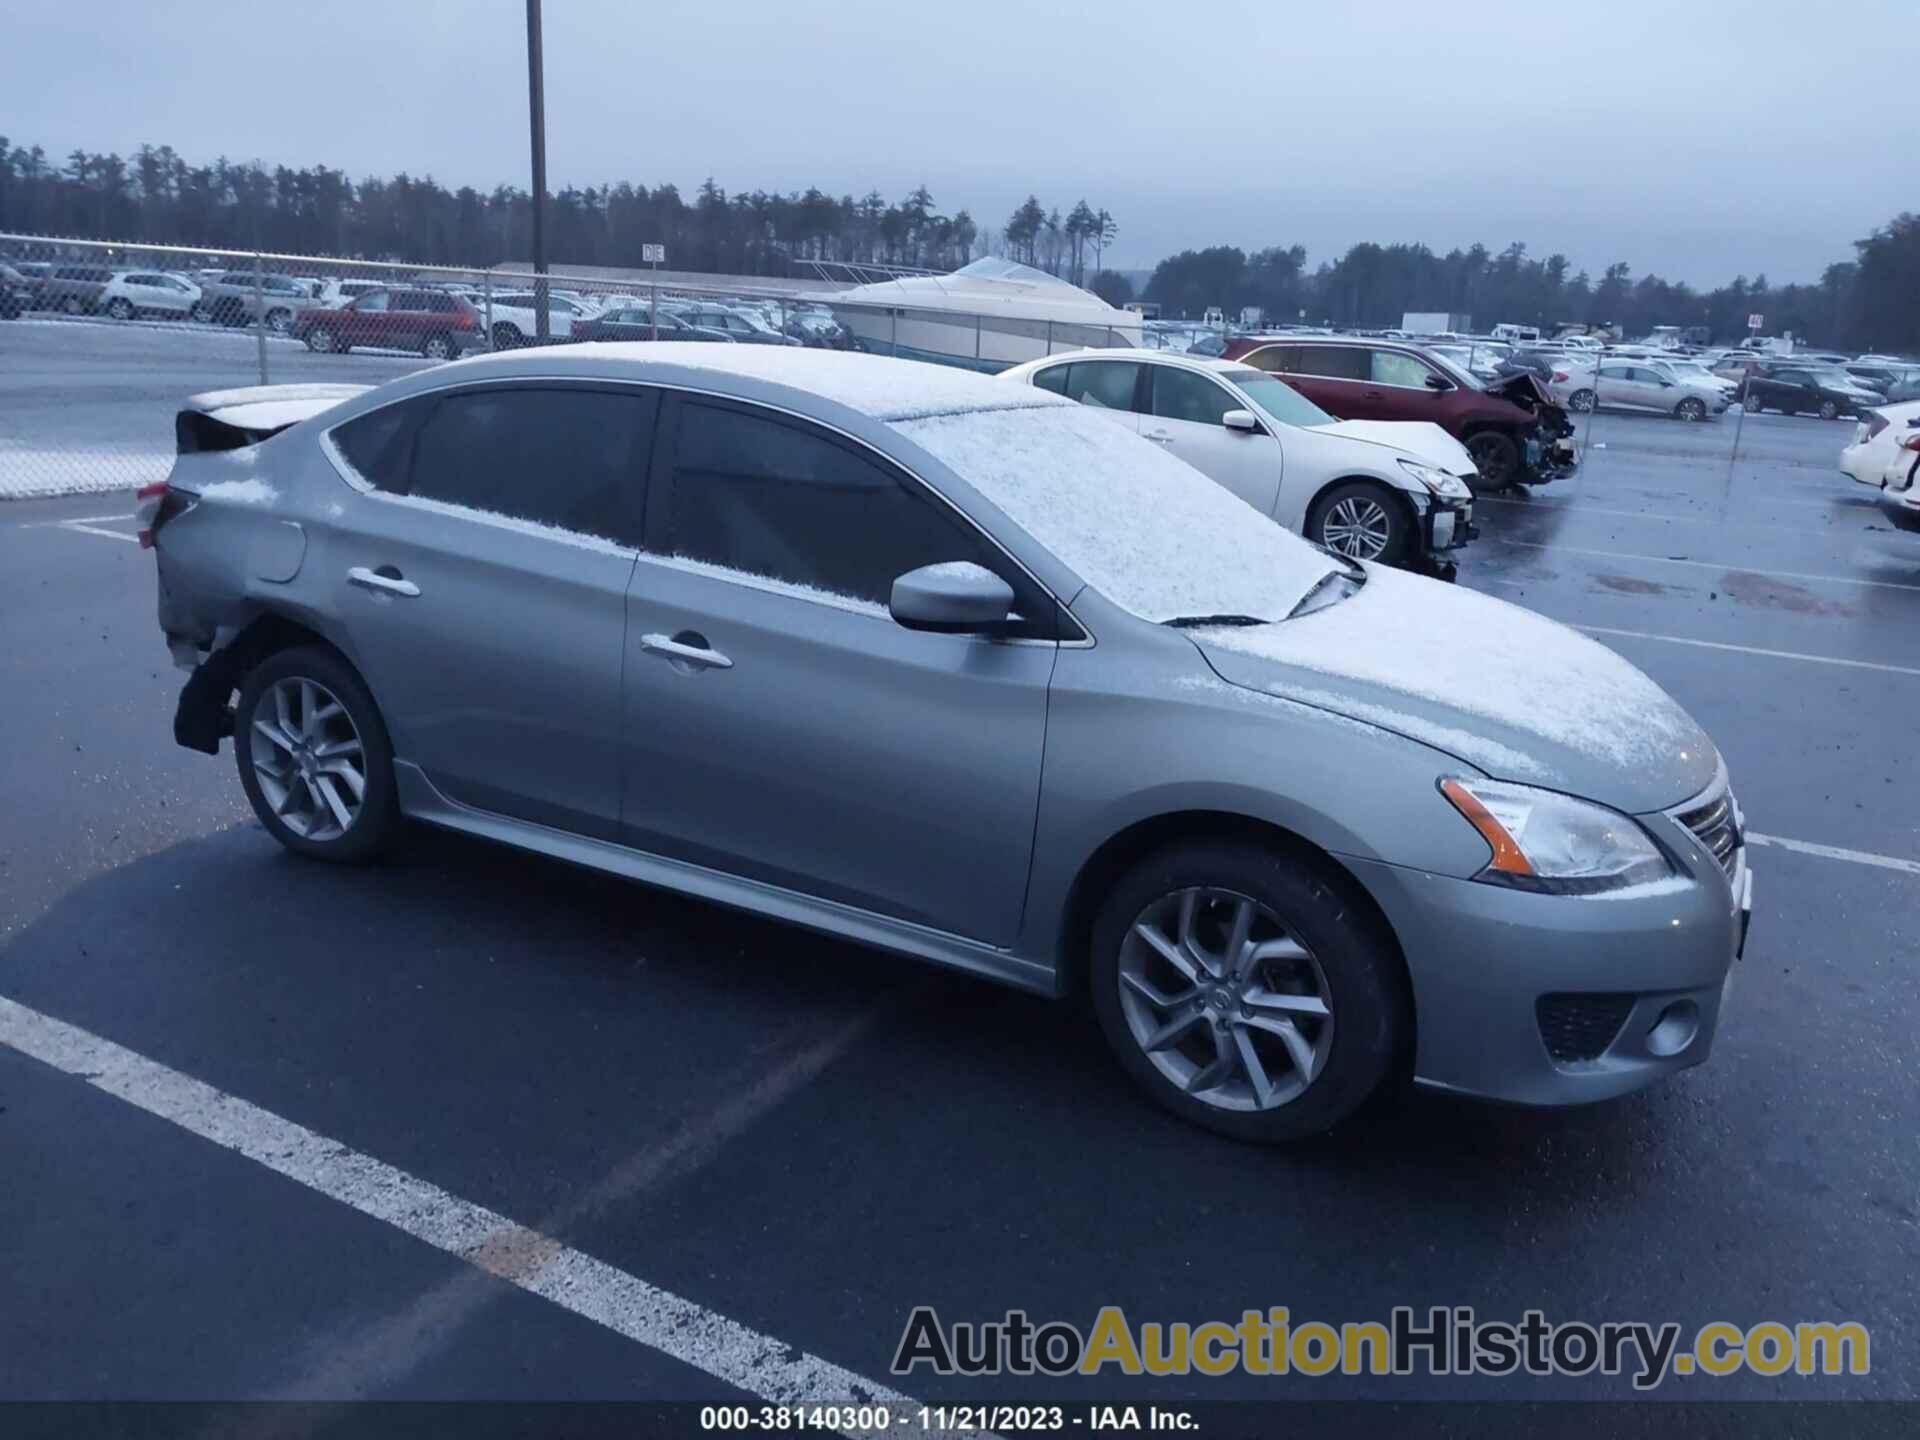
1396, 367
1103, 384
570, 458
768, 498
1183, 395
372, 303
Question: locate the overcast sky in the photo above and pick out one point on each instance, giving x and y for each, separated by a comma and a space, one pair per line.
1691, 138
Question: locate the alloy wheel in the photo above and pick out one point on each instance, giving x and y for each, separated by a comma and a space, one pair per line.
320, 340
1358, 527
1225, 1001
308, 759
1580, 400
279, 321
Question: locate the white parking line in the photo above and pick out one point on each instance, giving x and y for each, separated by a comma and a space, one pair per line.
690, 1333
78, 528
1707, 564
1836, 852
1754, 650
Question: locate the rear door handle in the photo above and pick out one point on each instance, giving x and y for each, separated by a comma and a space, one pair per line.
382, 584
668, 648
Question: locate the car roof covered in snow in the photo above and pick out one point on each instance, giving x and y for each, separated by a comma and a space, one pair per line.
877, 386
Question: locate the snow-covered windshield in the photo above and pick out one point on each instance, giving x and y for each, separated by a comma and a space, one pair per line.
1149, 532
1277, 398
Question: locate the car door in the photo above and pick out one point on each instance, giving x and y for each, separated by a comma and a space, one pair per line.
1401, 386
480, 567
780, 726
1186, 413
1613, 387
363, 322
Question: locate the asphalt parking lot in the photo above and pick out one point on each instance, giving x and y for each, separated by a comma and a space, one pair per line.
740, 1125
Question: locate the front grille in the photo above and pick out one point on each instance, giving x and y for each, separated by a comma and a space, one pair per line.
1580, 1027
1715, 823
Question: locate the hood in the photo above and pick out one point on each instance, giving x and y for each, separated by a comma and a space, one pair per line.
1423, 440
1523, 390
1507, 691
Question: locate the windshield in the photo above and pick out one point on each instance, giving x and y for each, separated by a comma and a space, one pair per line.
1455, 371
1149, 532
1276, 398
1834, 377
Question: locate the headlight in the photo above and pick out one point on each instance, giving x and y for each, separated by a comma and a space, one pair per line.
1542, 840
1438, 481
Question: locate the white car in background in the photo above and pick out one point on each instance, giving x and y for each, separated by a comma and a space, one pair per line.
1392, 491
514, 320
336, 293
1877, 456
147, 292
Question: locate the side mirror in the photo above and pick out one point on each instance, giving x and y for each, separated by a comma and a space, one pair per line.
954, 598
1434, 382
1242, 420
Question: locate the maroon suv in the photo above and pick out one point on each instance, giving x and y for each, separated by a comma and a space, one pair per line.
437, 323
1515, 432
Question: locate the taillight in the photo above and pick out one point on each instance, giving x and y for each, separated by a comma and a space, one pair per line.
1560, 377
1876, 422
1912, 442
148, 500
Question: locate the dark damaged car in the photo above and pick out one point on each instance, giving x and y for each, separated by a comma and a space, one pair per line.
1511, 426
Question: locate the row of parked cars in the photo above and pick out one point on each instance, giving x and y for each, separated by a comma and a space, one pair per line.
438, 318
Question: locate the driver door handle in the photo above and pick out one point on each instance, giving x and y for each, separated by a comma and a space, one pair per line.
668, 648
381, 583
1160, 437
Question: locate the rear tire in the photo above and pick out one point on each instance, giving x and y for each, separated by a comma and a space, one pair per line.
74, 305
1497, 459
1362, 520
120, 309
505, 337
1320, 999
1582, 401
1829, 410
306, 737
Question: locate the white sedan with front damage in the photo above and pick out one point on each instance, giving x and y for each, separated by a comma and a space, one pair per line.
1397, 492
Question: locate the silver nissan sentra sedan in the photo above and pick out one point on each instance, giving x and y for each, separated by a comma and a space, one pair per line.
957, 669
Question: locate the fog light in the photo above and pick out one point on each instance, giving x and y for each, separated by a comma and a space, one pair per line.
1675, 1029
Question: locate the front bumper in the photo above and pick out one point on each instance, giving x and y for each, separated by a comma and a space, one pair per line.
1487, 964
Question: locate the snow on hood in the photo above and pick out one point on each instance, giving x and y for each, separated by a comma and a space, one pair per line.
1422, 439
1149, 532
1519, 696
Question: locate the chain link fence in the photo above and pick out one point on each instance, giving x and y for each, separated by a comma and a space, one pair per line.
111, 337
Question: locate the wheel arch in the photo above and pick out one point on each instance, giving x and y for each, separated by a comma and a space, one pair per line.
204, 715
1400, 494
1126, 848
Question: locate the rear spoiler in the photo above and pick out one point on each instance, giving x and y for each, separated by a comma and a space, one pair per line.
234, 419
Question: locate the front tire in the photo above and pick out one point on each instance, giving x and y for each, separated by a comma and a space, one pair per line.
314, 757
1496, 457
1691, 410
1362, 520
279, 321
1247, 991
437, 347
1829, 410
322, 341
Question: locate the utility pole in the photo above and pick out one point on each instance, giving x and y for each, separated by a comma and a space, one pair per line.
537, 123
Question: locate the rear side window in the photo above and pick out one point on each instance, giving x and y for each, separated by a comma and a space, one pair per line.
556, 455
378, 445
1335, 362
1103, 384
1276, 359
1053, 378
773, 499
